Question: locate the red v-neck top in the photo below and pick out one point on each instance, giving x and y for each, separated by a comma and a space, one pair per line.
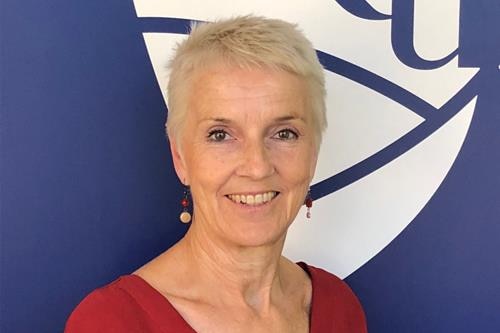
130, 304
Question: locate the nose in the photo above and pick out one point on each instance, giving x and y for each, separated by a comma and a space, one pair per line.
256, 161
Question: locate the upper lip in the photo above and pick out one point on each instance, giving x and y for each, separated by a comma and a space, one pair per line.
252, 192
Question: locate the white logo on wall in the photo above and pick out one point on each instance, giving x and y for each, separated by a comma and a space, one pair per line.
351, 223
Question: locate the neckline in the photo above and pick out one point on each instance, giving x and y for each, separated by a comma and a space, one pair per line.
148, 295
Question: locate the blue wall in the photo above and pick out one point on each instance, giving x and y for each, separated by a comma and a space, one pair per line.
88, 191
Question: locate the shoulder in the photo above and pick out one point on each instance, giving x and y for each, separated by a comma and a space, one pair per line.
332, 286
334, 304
112, 308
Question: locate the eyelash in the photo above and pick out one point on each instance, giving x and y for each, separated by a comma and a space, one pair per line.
213, 133
289, 131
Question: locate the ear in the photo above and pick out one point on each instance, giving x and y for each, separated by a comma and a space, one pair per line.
179, 162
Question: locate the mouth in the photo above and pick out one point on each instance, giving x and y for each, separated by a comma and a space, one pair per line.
253, 199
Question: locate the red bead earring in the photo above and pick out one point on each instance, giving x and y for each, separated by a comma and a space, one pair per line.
308, 202
185, 216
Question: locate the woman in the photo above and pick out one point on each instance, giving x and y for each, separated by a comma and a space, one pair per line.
246, 115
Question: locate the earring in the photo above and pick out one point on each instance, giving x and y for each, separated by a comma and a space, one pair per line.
308, 202
185, 216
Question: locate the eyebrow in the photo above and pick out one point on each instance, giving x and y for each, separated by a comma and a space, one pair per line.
217, 120
287, 118
278, 119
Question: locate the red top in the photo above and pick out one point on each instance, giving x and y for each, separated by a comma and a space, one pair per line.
130, 304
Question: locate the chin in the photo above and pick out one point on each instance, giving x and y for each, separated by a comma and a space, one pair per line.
252, 235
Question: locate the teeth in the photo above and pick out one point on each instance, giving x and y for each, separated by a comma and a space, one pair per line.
258, 199
249, 199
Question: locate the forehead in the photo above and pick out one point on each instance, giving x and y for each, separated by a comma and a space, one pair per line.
230, 89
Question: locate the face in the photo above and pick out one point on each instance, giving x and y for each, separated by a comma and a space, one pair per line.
248, 152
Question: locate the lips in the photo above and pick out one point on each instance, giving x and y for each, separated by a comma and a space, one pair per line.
253, 199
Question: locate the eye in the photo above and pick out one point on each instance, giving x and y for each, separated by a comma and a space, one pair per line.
218, 135
286, 134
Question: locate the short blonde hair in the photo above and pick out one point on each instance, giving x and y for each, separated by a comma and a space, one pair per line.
247, 42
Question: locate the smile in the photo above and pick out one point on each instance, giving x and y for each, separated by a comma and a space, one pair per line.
253, 199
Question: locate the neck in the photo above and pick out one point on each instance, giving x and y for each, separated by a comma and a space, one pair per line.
249, 275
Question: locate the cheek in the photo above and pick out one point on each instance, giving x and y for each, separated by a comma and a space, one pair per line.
209, 167
296, 166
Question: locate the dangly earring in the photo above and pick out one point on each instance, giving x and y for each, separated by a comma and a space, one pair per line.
185, 216
308, 202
